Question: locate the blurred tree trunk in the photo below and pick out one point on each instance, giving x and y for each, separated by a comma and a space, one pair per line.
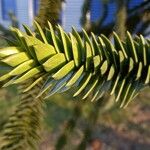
121, 16
49, 11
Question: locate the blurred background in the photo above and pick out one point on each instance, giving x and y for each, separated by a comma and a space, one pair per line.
71, 123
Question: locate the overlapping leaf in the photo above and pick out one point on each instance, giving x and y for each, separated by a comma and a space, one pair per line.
67, 60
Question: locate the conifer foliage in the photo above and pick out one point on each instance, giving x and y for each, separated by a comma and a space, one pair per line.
67, 60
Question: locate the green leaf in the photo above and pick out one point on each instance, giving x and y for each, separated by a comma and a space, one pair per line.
30, 74
16, 59
64, 70
76, 51
139, 71
49, 36
131, 47
66, 43
4, 77
54, 38
44, 51
55, 62
4, 52
30, 42
111, 73
88, 56
131, 65
118, 45
80, 43
41, 33
120, 89
75, 77
19, 37
97, 48
143, 49
147, 80
104, 67
87, 40
110, 48
104, 50
83, 83
28, 31
27, 65
122, 61
115, 84
91, 86
97, 62
124, 95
